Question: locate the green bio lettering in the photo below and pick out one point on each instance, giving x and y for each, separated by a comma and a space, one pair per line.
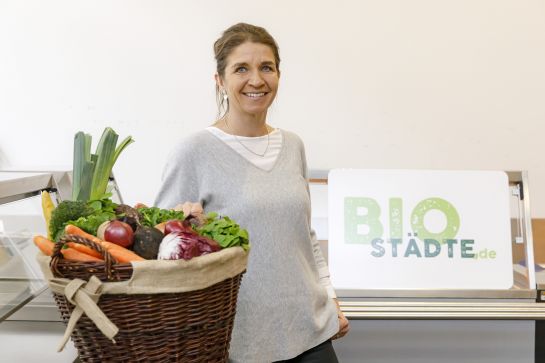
352, 219
396, 218
419, 212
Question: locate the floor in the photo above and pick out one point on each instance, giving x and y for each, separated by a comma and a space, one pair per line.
368, 342
34, 342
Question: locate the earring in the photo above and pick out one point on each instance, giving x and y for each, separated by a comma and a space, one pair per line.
225, 97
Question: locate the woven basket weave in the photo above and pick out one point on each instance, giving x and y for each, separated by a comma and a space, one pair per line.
193, 326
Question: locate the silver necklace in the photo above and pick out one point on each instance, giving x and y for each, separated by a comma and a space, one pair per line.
244, 146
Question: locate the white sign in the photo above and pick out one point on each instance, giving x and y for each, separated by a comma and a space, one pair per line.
419, 229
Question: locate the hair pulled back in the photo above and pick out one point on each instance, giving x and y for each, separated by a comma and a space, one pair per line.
230, 39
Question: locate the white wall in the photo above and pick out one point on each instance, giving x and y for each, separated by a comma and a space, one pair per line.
454, 84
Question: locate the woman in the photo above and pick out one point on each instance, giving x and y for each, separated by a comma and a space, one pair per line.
248, 170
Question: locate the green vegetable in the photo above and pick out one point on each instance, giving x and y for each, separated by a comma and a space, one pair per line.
66, 210
103, 205
225, 231
91, 172
91, 223
103, 210
152, 216
87, 216
83, 166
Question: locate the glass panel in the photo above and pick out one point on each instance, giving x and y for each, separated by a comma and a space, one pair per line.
518, 238
20, 276
21, 218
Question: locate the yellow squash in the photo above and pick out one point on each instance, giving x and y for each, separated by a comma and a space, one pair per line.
47, 208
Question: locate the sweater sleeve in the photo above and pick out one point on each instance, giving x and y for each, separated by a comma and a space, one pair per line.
323, 270
321, 264
179, 180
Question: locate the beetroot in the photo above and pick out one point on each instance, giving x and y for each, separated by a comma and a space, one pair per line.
147, 241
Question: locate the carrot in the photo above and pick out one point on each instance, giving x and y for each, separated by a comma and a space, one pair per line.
84, 249
45, 245
121, 254
71, 229
74, 255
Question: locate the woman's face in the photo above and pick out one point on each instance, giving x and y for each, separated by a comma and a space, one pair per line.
250, 80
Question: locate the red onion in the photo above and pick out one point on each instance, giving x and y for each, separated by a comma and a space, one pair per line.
116, 232
176, 225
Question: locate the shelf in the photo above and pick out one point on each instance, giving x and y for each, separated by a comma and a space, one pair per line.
443, 310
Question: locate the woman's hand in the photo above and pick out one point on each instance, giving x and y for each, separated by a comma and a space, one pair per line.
193, 209
190, 208
344, 325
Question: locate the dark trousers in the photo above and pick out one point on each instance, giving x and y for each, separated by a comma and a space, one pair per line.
323, 353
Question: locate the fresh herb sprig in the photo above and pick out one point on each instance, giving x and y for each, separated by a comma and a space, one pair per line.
225, 231
152, 216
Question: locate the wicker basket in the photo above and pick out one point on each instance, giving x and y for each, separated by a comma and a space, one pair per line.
192, 326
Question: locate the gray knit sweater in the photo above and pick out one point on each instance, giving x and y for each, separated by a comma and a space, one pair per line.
282, 308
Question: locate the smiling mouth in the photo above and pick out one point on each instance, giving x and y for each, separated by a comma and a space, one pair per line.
255, 94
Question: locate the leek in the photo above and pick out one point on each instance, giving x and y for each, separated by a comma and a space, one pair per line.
82, 164
92, 171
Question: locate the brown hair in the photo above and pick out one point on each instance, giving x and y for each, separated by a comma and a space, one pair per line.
232, 38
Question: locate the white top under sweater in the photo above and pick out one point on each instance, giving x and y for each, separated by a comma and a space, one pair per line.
257, 144
282, 308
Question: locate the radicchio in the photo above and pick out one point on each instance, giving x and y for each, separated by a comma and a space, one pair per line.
184, 245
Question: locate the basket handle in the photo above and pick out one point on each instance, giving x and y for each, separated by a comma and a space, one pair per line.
57, 255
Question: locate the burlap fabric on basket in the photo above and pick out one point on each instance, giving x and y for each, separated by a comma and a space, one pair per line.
147, 311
